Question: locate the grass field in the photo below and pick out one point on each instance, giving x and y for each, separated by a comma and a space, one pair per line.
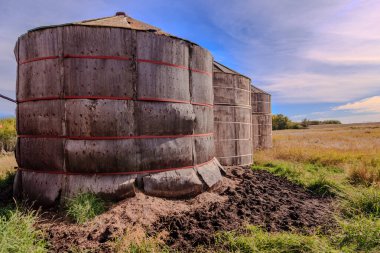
342, 161
338, 161
352, 149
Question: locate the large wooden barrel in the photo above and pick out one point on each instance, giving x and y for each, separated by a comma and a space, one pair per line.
103, 103
232, 117
261, 119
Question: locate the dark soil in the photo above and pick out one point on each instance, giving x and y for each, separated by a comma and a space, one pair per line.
6, 195
260, 199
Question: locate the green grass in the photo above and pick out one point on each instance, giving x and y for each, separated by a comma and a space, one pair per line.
258, 240
147, 247
359, 234
315, 178
323, 187
17, 232
365, 201
84, 207
358, 217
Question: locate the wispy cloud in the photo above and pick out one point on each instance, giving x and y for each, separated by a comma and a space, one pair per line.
349, 37
322, 88
371, 104
320, 51
356, 118
313, 54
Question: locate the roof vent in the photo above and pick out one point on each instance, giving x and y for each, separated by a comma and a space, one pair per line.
120, 13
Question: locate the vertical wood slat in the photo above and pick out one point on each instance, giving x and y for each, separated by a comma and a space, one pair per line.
104, 77
232, 119
261, 119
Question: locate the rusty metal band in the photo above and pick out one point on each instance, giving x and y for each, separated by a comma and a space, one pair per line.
229, 105
165, 100
72, 97
39, 59
220, 140
120, 58
58, 172
225, 157
115, 137
232, 122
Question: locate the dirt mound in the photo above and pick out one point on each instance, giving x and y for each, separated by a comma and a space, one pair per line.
100, 234
259, 198
242, 197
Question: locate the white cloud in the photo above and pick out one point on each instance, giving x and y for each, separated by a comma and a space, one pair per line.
358, 118
322, 88
349, 36
371, 104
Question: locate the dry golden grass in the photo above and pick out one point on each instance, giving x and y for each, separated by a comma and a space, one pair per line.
136, 240
7, 164
354, 148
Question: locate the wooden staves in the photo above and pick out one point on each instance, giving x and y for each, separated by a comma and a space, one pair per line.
261, 119
232, 115
100, 102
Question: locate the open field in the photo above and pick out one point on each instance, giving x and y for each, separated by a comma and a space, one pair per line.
354, 149
323, 195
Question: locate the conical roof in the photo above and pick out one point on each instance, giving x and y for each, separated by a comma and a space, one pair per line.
254, 89
120, 20
218, 67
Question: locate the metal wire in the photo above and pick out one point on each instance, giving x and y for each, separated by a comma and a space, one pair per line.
7, 98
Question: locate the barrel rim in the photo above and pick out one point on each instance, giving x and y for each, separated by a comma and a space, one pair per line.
41, 28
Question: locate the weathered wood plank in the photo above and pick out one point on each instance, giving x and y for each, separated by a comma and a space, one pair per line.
41, 153
100, 117
261, 119
99, 77
232, 119
41, 118
201, 78
159, 80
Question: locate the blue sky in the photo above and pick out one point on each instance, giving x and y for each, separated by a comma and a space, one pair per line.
319, 59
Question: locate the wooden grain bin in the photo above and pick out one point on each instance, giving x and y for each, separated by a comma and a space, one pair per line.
232, 116
106, 103
261, 119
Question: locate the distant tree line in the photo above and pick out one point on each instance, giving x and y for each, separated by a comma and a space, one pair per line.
307, 122
280, 122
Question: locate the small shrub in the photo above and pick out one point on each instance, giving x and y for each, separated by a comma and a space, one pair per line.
257, 240
323, 187
7, 134
365, 201
84, 207
7, 180
280, 122
365, 175
17, 233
